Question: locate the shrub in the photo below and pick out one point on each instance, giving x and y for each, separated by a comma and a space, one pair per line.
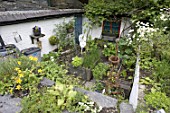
53, 40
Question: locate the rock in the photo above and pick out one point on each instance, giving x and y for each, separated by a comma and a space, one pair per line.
108, 110
46, 82
89, 84
9, 104
160, 111
126, 108
100, 99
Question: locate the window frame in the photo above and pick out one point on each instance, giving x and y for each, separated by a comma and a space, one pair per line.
111, 21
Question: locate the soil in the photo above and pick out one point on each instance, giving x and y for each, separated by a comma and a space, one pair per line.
144, 73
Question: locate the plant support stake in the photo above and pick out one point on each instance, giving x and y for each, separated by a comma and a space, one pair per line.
133, 99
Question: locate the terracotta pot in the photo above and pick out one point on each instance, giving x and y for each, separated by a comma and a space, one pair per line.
114, 59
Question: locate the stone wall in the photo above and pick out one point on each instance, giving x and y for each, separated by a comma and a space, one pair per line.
12, 5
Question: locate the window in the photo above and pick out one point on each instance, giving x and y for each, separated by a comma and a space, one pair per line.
111, 28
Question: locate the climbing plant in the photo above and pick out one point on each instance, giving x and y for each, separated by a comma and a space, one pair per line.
99, 10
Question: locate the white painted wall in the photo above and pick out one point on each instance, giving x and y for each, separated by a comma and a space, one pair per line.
95, 31
25, 29
125, 26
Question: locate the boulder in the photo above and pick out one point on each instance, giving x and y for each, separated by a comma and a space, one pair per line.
126, 108
9, 104
100, 99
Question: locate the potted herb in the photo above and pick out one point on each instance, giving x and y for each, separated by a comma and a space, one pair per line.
89, 62
36, 31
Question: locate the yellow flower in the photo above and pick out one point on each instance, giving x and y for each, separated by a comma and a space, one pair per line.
16, 69
19, 71
33, 58
11, 90
21, 75
19, 63
18, 87
40, 70
18, 80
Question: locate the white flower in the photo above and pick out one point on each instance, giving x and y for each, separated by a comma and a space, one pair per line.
161, 9
81, 103
132, 30
105, 46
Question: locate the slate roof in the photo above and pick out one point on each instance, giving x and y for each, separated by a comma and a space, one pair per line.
9, 16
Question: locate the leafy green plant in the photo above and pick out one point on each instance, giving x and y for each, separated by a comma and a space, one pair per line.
100, 70
55, 100
56, 72
126, 50
161, 74
53, 40
60, 31
77, 61
158, 100
53, 71
151, 83
109, 50
53, 56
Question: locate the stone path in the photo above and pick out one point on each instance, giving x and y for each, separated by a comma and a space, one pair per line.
9, 104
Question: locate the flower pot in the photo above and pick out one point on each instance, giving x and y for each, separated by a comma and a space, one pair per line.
114, 60
88, 75
36, 31
70, 30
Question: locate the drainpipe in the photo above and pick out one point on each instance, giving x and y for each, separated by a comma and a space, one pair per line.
133, 99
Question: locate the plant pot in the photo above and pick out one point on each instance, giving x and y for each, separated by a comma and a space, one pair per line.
70, 30
36, 31
88, 75
114, 60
